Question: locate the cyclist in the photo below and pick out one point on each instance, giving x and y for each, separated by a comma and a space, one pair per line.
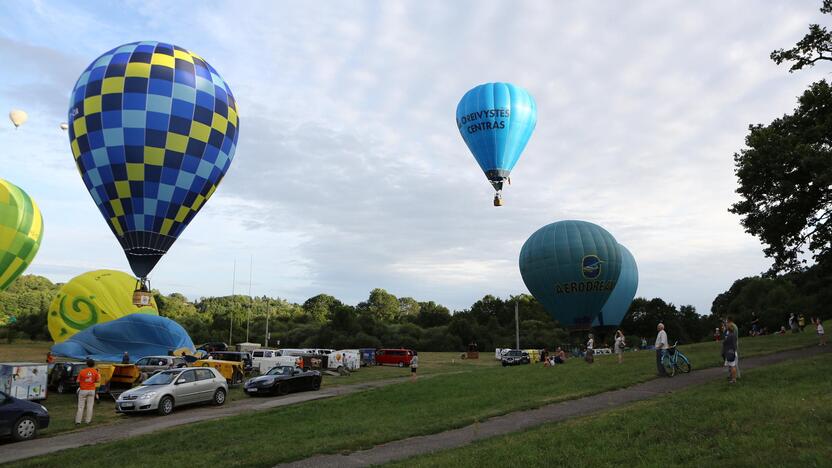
661, 346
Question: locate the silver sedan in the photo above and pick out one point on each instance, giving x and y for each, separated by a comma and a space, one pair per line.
172, 388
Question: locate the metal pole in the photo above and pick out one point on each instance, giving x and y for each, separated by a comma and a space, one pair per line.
268, 314
231, 310
250, 299
517, 325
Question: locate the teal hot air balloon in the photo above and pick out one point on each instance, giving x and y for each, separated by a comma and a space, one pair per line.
613, 312
153, 129
571, 267
496, 121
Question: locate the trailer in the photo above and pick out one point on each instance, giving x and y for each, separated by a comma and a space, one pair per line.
264, 364
24, 380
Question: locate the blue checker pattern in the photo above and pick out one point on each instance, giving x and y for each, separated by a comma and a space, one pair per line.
153, 129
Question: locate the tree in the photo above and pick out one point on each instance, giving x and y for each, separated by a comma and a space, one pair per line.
814, 47
319, 308
381, 305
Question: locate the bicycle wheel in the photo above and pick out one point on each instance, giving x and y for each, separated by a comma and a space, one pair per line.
667, 362
682, 362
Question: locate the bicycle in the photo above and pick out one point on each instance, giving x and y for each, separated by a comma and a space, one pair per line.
674, 360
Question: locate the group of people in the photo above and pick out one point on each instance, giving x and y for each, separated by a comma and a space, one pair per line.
553, 359
618, 347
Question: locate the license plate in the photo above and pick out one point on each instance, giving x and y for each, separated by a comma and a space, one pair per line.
252, 390
127, 405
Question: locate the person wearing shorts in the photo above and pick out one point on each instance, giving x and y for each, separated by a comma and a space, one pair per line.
619, 345
821, 335
414, 364
729, 351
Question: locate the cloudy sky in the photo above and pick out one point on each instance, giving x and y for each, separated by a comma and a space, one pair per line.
350, 173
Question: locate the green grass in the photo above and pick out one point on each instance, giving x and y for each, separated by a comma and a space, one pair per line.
776, 416
367, 418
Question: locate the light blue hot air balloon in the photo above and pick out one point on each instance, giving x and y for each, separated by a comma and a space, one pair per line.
496, 121
571, 267
613, 312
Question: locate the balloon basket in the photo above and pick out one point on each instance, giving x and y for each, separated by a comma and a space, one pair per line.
141, 298
498, 201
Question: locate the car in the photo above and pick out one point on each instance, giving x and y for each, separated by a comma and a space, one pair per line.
281, 380
173, 388
21, 419
238, 356
213, 346
394, 357
514, 357
62, 377
152, 364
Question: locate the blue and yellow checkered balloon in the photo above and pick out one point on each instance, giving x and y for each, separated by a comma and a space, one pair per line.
153, 128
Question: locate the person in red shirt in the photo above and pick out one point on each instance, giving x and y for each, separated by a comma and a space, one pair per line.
87, 380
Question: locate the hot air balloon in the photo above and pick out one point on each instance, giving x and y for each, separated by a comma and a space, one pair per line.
18, 117
91, 298
21, 230
153, 129
496, 121
571, 267
64, 126
622, 296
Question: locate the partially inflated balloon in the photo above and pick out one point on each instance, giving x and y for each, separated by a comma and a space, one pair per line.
18, 117
622, 296
91, 298
571, 267
496, 121
21, 230
153, 128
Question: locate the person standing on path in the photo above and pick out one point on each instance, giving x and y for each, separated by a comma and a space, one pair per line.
414, 365
590, 353
729, 351
821, 335
619, 345
87, 380
661, 346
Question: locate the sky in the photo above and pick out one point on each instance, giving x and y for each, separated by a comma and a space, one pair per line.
350, 173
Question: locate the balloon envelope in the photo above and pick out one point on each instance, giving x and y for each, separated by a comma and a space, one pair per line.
21, 230
139, 334
153, 129
496, 121
622, 296
18, 117
571, 267
91, 298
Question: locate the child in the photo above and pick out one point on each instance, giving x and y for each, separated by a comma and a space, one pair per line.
821, 335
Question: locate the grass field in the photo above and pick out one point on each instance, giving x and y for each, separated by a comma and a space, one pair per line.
364, 419
776, 416
62, 407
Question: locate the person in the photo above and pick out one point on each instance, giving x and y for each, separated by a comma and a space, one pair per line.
793, 323
729, 351
717, 334
819, 328
619, 345
560, 356
414, 364
590, 354
49, 357
544, 354
643, 343
87, 380
782, 330
755, 324
801, 322
125, 359
661, 346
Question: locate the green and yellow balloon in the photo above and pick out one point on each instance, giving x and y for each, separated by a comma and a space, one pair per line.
21, 230
94, 297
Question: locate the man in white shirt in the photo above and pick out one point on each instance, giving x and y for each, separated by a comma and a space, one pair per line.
661, 346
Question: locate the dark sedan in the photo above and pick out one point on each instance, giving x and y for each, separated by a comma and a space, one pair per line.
21, 418
281, 380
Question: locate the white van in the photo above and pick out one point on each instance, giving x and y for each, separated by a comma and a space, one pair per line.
349, 359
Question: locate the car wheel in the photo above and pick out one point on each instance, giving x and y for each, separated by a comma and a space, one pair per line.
401, 364
237, 377
219, 397
25, 428
165, 406
316, 385
504, 364
61, 387
282, 389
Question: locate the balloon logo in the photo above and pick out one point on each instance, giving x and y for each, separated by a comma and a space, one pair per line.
153, 129
92, 298
496, 121
618, 304
21, 230
571, 267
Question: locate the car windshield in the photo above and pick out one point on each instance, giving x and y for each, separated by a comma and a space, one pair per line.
282, 370
162, 378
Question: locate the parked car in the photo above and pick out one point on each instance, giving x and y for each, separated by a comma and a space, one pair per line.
213, 346
21, 419
63, 376
263, 365
515, 356
150, 365
173, 388
394, 357
237, 356
282, 380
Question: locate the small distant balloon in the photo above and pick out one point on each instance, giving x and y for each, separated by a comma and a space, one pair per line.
18, 117
64, 125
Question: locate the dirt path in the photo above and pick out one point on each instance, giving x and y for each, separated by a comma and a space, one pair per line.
522, 420
145, 424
